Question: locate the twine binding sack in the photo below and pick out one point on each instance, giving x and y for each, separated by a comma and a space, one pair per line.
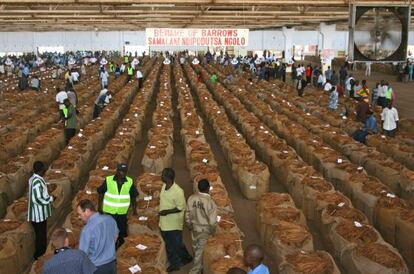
315, 262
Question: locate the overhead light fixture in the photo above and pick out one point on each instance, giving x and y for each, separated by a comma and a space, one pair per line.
154, 5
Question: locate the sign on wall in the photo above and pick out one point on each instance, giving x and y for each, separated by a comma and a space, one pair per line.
196, 37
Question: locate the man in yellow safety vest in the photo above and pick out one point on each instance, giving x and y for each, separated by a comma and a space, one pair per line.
130, 71
116, 195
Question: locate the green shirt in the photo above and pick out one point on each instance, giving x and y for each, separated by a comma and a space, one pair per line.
213, 78
72, 119
169, 199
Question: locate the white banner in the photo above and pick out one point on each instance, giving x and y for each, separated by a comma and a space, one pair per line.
196, 37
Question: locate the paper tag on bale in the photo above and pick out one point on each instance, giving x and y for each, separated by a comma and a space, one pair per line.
218, 218
135, 269
390, 195
148, 198
357, 224
341, 204
142, 218
252, 187
141, 247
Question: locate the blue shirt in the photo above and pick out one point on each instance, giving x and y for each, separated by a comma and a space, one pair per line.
260, 269
68, 262
97, 239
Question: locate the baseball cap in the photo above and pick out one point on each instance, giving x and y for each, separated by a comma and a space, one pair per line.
122, 167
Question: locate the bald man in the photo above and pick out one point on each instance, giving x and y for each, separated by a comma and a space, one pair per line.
253, 259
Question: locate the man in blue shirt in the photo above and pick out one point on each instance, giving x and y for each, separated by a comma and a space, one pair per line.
67, 260
98, 237
253, 259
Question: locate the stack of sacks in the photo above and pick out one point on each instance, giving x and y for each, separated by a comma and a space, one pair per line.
252, 175
159, 152
202, 165
308, 263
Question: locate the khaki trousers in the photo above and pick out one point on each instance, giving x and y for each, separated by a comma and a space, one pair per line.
199, 241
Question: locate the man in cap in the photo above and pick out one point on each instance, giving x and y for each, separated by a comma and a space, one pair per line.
116, 195
201, 219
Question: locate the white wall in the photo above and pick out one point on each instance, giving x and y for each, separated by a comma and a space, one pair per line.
258, 40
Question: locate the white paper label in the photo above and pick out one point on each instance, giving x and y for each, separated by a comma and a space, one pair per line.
218, 218
383, 137
105, 168
58, 171
285, 152
205, 161
211, 188
147, 198
136, 115
308, 114
68, 230
69, 147
29, 148
135, 269
121, 133
88, 192
152, 146
360, 168
267, 132
341, 204
218, 111
142, 218
197, 132
390, 195
141, 247
252, 187
165, 118
227, 256
339, 161
357, 224
80, 134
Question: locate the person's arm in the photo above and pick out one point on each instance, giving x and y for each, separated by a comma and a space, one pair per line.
101, 191
180, 205
133, 193
187, 215
212, 214
87, 266
84, 241
38, 196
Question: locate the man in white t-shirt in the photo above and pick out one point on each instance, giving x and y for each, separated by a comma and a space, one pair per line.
61, 95
389, 117
75, 77
104, 77
328, 86
140, 78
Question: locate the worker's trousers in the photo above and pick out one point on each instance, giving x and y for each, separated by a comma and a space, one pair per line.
199, 241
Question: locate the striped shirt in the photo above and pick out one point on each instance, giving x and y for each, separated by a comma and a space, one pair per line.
39, 208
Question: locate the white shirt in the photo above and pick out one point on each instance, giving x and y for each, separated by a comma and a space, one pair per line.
103, 91
60, 97
104, 76
327, 87
75, 76
382, 90
348, 83
139, 74
390, 117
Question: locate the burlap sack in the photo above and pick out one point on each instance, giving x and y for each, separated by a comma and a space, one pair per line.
386, 170
403, 234
82, 195
323, 200
145, 223
8, 256
374, 258
407, 183
309, 188
17, 210
152, 250
309, 262
22, 234
365, 194
37, 267
386, 212
288, 238
253, 180
157, 157
74, 226
123, 267
345, 235
220, 245
223, 264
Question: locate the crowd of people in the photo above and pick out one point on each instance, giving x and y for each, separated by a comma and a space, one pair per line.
365, 102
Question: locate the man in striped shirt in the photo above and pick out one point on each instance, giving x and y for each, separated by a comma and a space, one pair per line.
39, 207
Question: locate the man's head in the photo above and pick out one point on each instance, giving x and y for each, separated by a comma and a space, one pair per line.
168, 176
121, 170
389, 104
66, 102
253, 255
236, 270
39, 168
203, 186
366, 100
59, 238
86, 208
364, 82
